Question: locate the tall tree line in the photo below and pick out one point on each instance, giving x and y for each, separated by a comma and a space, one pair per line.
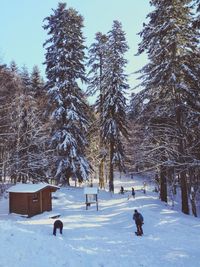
171, 85
49, 123
22, 131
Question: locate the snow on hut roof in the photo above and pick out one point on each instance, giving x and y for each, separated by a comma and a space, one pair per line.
90, 190
30, 188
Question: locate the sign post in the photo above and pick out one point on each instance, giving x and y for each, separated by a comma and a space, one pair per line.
91, 195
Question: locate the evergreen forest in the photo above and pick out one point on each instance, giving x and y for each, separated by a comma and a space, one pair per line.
50, 132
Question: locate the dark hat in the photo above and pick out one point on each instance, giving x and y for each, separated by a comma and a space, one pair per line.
136, 211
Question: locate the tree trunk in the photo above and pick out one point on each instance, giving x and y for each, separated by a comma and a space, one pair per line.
101, 174
193, 204
111, 174
184, 193
163, 184
181, 150
101, 165
66, 180
193, 187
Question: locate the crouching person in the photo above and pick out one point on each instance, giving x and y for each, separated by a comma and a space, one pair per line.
57, 225
139, 221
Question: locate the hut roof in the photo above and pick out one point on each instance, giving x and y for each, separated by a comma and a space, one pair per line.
30, 188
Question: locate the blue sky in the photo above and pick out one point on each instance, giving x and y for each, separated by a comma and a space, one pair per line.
22, 35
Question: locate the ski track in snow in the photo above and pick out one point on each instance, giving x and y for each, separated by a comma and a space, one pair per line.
103, 238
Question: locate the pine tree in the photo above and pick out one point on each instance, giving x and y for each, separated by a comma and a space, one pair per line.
65, 70
26, 80
137, 132
113, 117
171, 78
13, 67
37, 82
97, 63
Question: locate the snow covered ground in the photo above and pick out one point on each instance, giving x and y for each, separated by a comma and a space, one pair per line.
103, 238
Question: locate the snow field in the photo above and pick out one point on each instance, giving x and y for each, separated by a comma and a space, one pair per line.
103, 238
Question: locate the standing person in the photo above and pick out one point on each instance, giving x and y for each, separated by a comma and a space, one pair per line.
121, 190
133, 192
144, 187
139, 221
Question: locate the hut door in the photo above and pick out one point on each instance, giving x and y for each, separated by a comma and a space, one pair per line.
33, 204
46, 200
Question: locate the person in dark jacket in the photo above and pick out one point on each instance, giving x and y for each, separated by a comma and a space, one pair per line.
139, 221
121, 190
57, 225
133, 192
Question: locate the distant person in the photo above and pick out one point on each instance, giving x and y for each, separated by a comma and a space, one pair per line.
133, 192
144, 187
156, 189
57, 225
121, 190
139, 221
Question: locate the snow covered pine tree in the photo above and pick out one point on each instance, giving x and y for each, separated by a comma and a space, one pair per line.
114, 84
97, 64
65, 70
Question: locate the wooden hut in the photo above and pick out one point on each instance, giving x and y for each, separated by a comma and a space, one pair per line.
30, 199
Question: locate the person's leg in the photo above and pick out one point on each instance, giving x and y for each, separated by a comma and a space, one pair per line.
140, 229
54, 230
61, 228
